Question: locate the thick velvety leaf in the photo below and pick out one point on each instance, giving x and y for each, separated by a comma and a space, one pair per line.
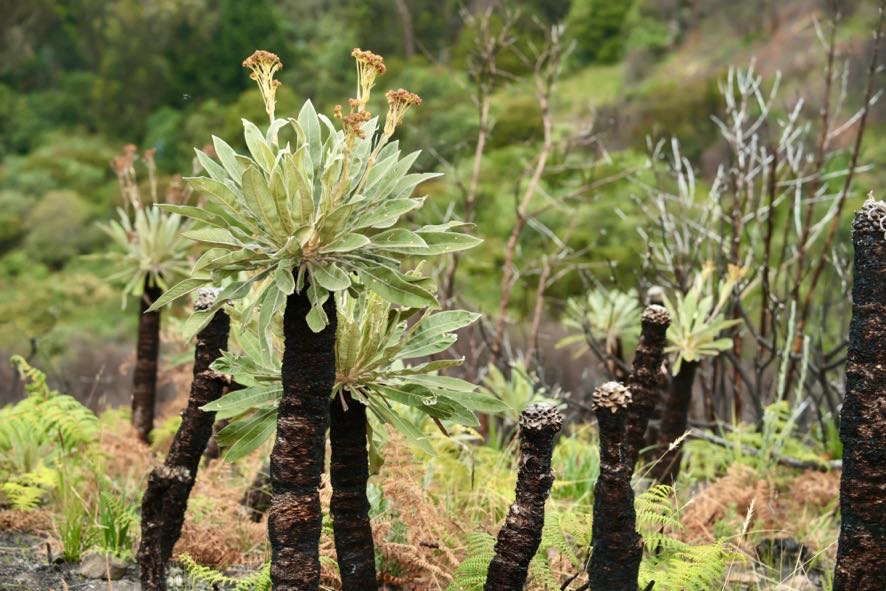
347, 243
212, 168
389, 210
393, 286
178, 290
240, 401
283, 278
261, 202
398, 238
214, 236
245, 436
412, 433
310, 124
228, 158
330, 276
258, 147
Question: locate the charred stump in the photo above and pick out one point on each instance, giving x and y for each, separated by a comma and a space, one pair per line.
861, 552
617, 547
644, 382
144, 380
674, 422
166, 497
520, 536
297, 458
349, 472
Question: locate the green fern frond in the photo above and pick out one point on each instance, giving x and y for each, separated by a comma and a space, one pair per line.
260, 580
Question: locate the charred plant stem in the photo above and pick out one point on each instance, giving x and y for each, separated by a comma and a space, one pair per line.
645, 379
297, 457
617, 547
349, 472
861, 552
166, 497
520, 536
144, 383
674, 421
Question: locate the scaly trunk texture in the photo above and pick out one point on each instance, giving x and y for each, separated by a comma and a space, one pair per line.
349, 472
861, 553
674, 422
297, 457
144, 382
520, 536
617, 547
166, 497
257, 498
645, 379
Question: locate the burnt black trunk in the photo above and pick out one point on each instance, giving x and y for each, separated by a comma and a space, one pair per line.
166, 497
617, 547
520, 536
297, 457
349, 472
861, 553
674, 421
144, 381
645, 380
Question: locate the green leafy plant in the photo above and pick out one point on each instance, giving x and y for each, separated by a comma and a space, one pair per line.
698, 318
471, 572
150, 249
673, 564
515, 393
115, 517
602, 315
259, 580
36, 433
310, 216
375, 352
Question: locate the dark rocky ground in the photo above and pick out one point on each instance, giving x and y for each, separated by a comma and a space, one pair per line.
25, 566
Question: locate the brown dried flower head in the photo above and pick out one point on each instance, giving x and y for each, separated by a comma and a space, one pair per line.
656, 314
399, 101
264, 65
369, 66
353, 123
874, 212
611, 395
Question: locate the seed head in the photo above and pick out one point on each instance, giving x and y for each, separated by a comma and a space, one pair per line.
875, 213
655, 314
369, 66
399, 101
611, 395
264, 65
205, 298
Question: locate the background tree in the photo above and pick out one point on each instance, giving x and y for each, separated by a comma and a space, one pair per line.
149, 255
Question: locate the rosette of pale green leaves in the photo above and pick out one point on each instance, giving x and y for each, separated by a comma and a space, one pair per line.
698, 318
378, 361
150, 245
312, 215
605, 315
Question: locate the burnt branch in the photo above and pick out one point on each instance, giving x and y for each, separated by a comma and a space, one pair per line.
169, 486
520, 536
645, 381
861, 552
617, 547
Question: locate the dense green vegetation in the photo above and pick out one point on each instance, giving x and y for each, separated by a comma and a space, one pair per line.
81, 79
